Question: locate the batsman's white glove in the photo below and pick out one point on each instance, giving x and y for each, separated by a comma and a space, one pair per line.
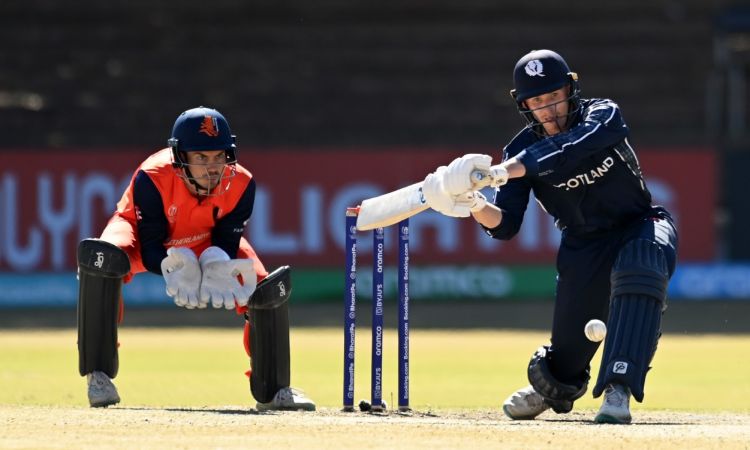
220, 283
458, 177
182, 274
499, 176
475, 201
438, 199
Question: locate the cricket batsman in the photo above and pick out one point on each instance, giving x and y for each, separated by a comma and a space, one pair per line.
182, 218
617, 251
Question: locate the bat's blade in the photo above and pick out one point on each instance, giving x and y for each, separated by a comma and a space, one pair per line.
389, 209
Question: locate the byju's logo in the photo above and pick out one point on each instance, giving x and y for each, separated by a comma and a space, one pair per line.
534, 68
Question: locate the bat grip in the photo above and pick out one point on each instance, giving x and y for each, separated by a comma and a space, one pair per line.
482, 178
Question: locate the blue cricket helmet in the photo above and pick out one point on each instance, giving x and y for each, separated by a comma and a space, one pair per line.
539, 72
199, 129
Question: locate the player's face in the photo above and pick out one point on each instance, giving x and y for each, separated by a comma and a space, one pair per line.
207, 167
551, 110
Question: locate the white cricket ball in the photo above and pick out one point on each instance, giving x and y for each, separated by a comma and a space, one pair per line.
595, 330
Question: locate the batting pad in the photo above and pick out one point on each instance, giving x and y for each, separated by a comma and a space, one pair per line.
631, 343
639, 288
101, 267
268, 316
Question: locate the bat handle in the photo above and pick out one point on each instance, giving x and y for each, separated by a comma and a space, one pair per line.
481, 178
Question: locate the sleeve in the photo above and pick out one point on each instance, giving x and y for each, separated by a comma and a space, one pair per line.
152, 223
228, 230
601, 127
512, 199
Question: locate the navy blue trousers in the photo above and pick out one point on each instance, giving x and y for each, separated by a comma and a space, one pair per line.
583, 287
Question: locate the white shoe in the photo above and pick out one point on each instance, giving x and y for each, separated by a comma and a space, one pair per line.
101, 390
616, 405
287, 399
524, 404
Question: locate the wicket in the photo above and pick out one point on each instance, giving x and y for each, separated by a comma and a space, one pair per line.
378, 289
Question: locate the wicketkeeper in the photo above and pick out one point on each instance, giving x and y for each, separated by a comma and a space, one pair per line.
182, 217
617, 252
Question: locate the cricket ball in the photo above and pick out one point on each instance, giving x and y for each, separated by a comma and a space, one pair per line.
595, 330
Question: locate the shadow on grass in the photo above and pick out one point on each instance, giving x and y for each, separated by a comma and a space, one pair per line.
238, 412
591, 422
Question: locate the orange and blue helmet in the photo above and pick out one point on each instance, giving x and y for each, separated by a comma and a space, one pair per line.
200, 129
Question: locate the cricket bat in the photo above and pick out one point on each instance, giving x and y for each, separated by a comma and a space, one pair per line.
393, 207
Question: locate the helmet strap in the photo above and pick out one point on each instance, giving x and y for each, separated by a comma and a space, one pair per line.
191, 179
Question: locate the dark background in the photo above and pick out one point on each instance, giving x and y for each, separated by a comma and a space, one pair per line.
93, 74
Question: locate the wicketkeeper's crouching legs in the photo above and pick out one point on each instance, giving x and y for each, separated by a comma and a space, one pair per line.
267, 344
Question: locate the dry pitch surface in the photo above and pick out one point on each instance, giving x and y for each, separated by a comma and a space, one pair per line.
233, 427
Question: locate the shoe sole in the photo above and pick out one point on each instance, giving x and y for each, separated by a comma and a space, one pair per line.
104, 404
608, 418
286, 408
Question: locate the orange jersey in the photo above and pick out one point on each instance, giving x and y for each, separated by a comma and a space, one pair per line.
185, 220
190, 219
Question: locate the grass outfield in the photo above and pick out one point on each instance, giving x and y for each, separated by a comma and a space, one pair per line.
202, 367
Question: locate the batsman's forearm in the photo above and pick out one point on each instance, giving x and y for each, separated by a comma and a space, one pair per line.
515, 168
490, 216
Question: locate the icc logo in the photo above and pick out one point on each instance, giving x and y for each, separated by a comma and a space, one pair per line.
99, 260
171, 213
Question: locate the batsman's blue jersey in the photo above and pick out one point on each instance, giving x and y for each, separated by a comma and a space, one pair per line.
588, 178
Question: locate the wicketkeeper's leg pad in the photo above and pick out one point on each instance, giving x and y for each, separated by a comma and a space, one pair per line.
639, 291
268, 316
560, 396
101, 268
